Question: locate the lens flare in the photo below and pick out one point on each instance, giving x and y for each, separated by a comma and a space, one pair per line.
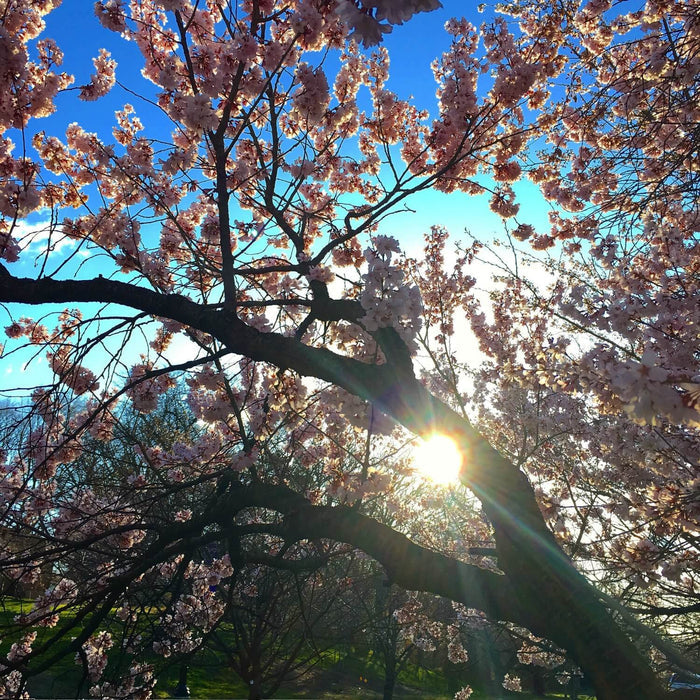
438, 458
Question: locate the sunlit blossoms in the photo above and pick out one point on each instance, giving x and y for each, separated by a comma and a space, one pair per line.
223, 336
94, 654
386, 298
102, 81
463, 694
512, 683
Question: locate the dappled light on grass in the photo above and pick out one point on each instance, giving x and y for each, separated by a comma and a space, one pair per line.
438, 459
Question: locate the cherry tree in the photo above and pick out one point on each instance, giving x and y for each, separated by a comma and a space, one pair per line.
241, 241
607, 353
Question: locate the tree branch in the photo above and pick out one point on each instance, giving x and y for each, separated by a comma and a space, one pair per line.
407, 564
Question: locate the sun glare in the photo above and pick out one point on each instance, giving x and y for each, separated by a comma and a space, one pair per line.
438, 459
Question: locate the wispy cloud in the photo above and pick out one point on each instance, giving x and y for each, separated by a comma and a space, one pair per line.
37, 237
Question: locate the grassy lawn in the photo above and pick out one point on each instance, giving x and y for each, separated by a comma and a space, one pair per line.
340, 675
346, 676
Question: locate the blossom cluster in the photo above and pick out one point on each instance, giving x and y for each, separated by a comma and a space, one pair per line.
144, 391
386, 298
48, 606
371, 19
94, 654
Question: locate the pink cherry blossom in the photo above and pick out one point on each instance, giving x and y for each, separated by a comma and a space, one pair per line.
102, 81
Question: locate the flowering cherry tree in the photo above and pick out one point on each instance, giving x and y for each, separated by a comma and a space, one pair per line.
238, 242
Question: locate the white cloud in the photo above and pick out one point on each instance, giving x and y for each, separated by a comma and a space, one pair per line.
37, 237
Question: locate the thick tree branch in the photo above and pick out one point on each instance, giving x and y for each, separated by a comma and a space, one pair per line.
407, 564
527, 551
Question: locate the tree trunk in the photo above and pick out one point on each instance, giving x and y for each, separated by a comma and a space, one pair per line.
254, 691
389, 685
538, 684
573, 684
181, 690
557, 602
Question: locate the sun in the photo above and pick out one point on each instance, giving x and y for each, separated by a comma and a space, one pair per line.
438, 458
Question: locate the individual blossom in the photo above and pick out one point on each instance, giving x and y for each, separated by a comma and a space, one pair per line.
367, 28
370, 27
523, 232
400, 12
111, 14
14, 330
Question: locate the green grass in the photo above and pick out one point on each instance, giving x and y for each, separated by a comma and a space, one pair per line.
62, 679
341, 674
204, 682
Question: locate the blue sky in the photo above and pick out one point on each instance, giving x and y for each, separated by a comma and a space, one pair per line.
412, 48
